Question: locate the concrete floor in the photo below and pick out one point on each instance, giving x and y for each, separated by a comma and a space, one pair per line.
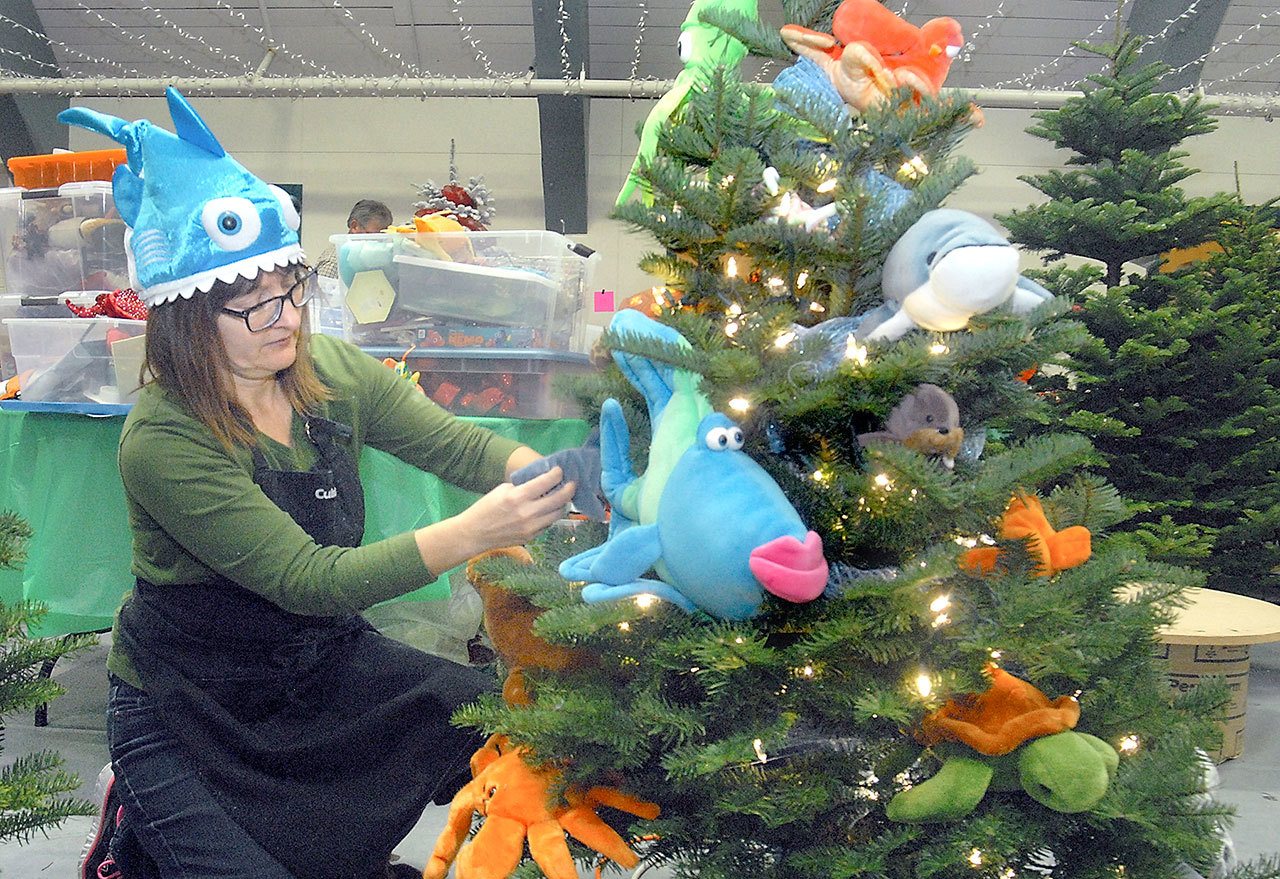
1250, 782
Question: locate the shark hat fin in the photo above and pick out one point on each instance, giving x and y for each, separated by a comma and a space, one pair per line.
81, 117
189, 126
129, 134
126, 189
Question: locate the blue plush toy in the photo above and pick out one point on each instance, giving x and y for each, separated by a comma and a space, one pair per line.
706, 517
949, 266
195, 215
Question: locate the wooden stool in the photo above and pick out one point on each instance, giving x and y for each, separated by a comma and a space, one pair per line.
1210, 637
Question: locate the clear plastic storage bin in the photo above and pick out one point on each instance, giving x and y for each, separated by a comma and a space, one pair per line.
78, 360
57, 240
502, 290
33, 306
513, 384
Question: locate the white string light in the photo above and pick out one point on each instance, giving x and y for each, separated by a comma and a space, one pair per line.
91, 59
142, 41
1213, 50
1026, 78
407, 67
271, 44
971, 43
1186, 15
635, 60
1257, 26
222, 54
22, 56
1239, 73
566, 65
465, 30
506, 82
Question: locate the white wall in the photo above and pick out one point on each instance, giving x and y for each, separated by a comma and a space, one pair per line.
343, 149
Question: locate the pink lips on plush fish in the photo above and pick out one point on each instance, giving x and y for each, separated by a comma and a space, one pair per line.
790, 569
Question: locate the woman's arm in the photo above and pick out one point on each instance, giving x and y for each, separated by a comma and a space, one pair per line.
391, 415
194, 510
507, 516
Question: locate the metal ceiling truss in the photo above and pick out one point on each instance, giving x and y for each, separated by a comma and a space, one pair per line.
528, 87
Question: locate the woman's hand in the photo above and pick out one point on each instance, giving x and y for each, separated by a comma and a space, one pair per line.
507, 516
514, 514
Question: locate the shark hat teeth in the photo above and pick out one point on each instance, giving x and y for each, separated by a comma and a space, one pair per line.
250, 267
195, 215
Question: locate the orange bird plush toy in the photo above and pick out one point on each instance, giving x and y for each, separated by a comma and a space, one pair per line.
871, 51
1024, 519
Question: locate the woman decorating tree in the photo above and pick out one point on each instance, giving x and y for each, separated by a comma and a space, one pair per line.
258, 726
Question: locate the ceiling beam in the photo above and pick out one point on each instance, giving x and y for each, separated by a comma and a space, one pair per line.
560, 53
28, 122
1187, 39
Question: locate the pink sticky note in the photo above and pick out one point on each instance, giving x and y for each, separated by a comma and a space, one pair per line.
603, 300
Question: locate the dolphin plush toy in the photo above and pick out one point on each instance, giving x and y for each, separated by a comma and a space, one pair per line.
194, 214
706, 517
949, 266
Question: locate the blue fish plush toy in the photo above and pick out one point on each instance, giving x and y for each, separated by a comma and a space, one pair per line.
194, 214
705, 516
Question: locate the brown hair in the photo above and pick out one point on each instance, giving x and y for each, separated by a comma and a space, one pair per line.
185, 356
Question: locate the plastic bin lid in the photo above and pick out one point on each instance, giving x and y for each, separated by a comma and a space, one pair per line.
54, 168
480, 354
83, 187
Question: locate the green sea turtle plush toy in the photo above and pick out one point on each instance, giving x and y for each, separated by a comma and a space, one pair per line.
1006, 739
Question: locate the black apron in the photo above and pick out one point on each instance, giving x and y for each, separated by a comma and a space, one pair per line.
322, 738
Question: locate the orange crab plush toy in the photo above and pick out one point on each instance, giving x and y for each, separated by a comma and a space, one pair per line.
512, 798
1055, 550
871, 51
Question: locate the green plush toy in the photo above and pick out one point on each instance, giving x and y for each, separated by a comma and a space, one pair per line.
1011, 737
1067, 772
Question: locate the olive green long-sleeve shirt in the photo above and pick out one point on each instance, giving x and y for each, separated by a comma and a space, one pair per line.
196, 513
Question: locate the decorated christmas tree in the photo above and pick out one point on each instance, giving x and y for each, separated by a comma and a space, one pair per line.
841, 622
33, 787
1180, 392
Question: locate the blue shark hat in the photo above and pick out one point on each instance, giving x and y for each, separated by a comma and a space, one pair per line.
194, 214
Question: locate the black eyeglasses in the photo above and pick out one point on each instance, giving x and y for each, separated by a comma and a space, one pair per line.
267, 313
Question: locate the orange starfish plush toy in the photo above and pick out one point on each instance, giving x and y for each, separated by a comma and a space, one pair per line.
871, 51
1056, 550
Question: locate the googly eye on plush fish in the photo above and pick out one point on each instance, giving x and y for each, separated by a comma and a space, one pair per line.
720, 438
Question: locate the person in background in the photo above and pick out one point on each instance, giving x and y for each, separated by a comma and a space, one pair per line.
257, 725
367, 216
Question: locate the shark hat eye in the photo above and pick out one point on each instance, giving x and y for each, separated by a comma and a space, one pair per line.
718, 439
232, 223
735, 438
287, 209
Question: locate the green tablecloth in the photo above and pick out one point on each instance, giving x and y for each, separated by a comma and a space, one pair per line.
59, 472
